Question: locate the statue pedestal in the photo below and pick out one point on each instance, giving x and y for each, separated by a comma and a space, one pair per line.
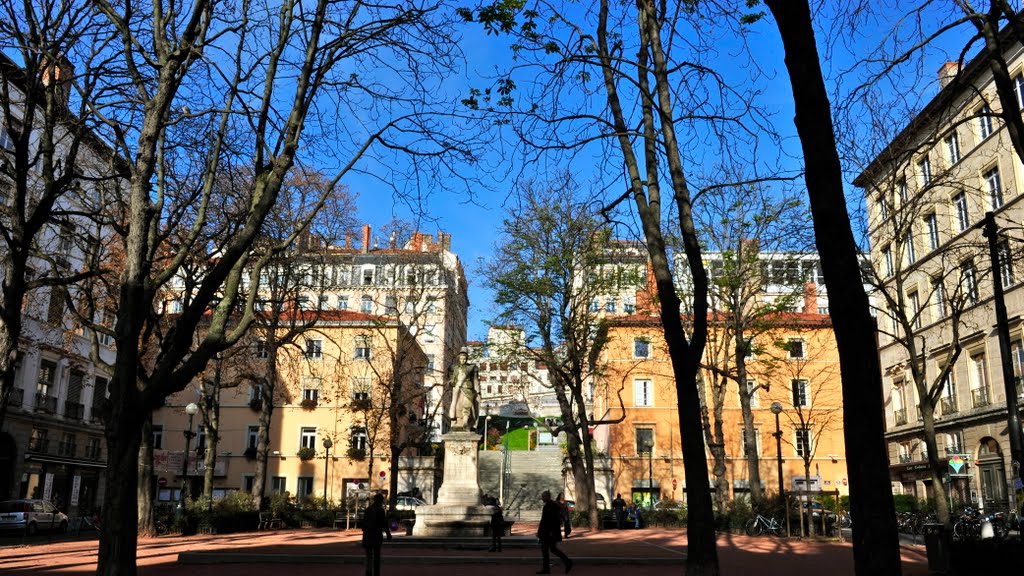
458, 511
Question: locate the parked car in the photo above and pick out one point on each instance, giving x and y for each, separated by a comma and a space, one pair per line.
816, 510
408, 503
31, 516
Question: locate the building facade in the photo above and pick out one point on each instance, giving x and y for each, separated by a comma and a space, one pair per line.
52, 444
928, 193
798, 367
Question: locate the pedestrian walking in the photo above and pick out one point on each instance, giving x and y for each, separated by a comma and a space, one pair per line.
565, 514
549, 532
619, 507
497, 528
375, 523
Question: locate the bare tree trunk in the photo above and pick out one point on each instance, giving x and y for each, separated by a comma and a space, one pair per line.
268, 388
147, 516
937, 467
119, 532
749, 433
875, 537
810, 509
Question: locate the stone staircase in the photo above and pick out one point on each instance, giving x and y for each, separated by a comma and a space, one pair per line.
528, 474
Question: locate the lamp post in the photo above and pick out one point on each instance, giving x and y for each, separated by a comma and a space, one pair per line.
327, 471
777, 409
191, 410
650, 474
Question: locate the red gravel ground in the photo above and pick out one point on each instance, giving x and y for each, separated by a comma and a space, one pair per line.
595, 553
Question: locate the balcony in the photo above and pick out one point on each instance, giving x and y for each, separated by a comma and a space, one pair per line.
46, 404
93, 452
40, 445
980, 397
17, 397
67, 449
954, 450
99, 413
900, 416
74, 410
948, 404
904, 458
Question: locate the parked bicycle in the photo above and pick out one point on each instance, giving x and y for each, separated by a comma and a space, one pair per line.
762, 524
971, 522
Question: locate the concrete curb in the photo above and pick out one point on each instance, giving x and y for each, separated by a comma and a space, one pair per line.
498, 558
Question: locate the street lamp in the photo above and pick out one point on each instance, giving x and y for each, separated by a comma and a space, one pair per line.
191, 410
650, 474
777, 409
327, 472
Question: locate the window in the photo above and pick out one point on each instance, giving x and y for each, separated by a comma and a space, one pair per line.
984, 121
931, 224
743, 442
915, 309
924, 167
994, 185
939, 297
594, 307
803, 442
796, 348
307, 438
969, 280
361, 388
366, 305
431, 304
641, 348
252, 437
278, 484
978, 378
963, 217
610, 306
158, 436
304, 487
260, 349
908, 244
311, 389
887, 257
801, 394
1018, 89
200, 440
954, 443
643, 393
628, 306
948, 398
368, 276
38, 441
55, 308
342, 302
302, 302
430, 362
1005, 263
255, 393
362, 347
883, 208
248, 481
644, 441
314, 349
752, 392
47, 374
391, 305
6, 142
358, 438
901, 189
953, 148
1017, 358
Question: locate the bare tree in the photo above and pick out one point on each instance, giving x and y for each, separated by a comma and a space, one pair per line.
554, 262
875, 540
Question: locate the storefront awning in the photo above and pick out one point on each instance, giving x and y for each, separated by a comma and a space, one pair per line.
64, 460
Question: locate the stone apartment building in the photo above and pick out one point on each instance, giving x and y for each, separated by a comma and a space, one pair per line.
52, 443
927, 195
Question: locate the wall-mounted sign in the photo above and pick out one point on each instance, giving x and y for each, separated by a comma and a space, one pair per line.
958, 464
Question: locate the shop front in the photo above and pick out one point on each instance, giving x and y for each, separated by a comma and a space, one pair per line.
72, 485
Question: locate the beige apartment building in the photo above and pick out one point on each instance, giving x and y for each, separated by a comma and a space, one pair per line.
927, 194
337, 384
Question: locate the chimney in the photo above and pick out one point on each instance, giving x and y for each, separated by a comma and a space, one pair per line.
61, 73
810, 298
366, 238
947, 72
647, 297
445, 239
416, 244
348, 241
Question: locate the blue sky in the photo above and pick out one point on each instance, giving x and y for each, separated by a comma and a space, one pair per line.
474, 225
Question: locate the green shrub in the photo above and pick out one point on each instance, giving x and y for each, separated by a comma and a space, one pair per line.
905, 502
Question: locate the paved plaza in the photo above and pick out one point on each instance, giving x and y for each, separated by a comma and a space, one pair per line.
653, 551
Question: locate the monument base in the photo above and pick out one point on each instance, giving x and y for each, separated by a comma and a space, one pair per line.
452, 520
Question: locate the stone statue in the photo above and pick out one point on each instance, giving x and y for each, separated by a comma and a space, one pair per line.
462, 411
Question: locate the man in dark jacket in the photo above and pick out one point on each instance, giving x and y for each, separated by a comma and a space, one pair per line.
374, 523
549, 532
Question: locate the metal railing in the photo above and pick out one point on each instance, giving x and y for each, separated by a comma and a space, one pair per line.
16, 398
38, 445
900, 416
46, 403
948, 404
67, 449
74, 410
980, 397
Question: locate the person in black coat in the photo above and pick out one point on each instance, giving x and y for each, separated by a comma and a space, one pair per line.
549, 532
497, 528
375, 522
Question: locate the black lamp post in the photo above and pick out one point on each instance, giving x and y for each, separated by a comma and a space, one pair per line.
327, 472
191, 410
650, 474
777, 409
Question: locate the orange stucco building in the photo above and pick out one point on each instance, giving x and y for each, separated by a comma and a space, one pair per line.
795, 363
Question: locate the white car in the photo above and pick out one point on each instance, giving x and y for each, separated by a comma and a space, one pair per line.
408, 503
31, 516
